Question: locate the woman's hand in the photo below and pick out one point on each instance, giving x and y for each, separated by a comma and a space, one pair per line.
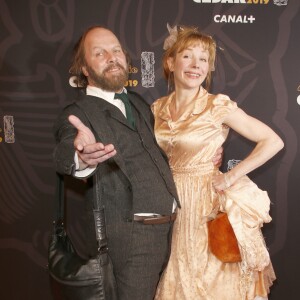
221, 182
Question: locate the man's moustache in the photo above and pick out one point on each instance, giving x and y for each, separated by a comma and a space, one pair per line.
112, 66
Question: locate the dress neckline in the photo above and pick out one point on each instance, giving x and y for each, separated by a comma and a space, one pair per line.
200, 104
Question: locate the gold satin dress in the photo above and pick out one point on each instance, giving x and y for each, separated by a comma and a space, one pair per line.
193, 273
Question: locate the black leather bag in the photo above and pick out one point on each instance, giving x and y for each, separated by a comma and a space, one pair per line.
72, 277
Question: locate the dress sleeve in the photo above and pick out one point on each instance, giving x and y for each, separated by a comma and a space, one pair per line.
221, 107
155, 107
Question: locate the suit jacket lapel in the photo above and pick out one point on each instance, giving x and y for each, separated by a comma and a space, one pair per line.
142, 108
117, 115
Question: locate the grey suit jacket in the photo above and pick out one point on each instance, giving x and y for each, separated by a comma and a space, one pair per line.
115, 182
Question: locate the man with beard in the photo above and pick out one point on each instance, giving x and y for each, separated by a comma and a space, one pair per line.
137, 188
116, 141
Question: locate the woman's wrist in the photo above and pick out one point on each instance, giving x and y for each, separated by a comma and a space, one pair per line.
227, 180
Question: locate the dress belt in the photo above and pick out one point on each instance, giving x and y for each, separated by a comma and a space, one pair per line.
155, 219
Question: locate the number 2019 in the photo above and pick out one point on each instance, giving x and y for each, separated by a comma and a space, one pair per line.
131, 82
257, 1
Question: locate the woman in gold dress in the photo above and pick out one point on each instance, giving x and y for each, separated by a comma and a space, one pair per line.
190, 124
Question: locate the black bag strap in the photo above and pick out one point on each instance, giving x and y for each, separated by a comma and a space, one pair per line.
98, 211
60, 199
99, 216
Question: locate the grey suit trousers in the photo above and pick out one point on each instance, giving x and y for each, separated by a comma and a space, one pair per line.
149, 251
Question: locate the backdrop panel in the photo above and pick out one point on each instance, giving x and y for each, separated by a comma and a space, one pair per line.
257, 66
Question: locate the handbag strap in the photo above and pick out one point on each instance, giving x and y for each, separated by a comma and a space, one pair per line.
98, 211
99, 216
60, 199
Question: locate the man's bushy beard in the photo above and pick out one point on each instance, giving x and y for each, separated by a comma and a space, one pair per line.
113, 83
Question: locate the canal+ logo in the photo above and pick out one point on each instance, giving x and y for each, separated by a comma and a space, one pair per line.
233, 19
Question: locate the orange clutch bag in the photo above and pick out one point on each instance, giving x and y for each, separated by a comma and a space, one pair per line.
222, 241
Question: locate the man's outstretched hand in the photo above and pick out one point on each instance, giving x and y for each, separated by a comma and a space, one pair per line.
90, 153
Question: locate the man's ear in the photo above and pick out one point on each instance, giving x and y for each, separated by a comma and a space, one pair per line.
84, 71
